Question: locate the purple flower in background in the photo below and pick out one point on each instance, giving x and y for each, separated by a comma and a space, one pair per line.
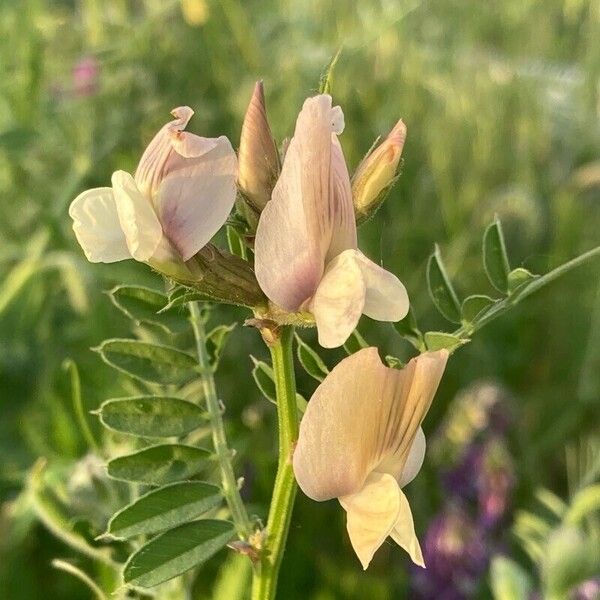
456, 554
86, 75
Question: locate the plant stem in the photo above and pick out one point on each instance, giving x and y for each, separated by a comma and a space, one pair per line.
229, 484
284, 491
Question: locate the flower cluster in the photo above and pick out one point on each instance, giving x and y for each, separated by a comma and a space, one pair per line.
360, 440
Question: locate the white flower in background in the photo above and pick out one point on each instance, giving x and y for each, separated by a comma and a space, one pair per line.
361, 441
306, 247
182, 193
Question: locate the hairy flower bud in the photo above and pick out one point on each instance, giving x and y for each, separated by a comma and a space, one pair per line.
376, 173
258, 157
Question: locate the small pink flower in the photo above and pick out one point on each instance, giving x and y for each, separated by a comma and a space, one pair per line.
306, 246
86, 74
182, 193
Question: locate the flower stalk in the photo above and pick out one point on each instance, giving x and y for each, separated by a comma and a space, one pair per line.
264, 584
229, 484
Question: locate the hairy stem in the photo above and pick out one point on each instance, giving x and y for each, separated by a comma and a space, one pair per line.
229, 484
284, 492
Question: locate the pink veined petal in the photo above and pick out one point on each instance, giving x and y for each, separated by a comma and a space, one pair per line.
97, 227
361, 415
296, 228
139, 222
168, 150
194, 201
288, 261
372, 514
386, 297
339, 300
403, 532
343, 221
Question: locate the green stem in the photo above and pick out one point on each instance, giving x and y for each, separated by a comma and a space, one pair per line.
229, 484
284, 491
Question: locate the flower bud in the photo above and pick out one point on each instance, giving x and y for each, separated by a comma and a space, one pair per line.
258, 157
377, 172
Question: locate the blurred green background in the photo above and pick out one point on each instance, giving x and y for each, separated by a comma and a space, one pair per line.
502, 104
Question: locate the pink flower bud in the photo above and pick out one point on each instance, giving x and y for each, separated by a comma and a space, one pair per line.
258, 157
376, 172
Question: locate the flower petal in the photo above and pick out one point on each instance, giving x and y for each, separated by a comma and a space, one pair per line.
386, 297
168, 150
414, 460
403, 532
97, 227
140, 224
343, 231
339, 300
372, 514
306, 211
195, 200
363, 415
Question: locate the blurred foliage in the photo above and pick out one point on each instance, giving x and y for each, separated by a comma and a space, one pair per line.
503, 112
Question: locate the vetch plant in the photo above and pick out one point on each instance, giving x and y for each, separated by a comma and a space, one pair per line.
294, 261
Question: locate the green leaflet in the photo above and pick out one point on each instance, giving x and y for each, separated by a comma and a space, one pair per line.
152, 363
474, 306
355, 343
151, 416
436, 340
440, 289
409, 330
508, 580
215, 342
142, 305
176, 551
160, 464
310, 360
495, 259
164, 508
263, 377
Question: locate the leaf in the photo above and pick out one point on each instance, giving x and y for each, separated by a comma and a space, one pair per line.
215, 342
518, 278
310, 360
181, 296
509, 580
495, 259
355, 343
142, 305
176, 551
440, 289
160, 464
151, 416
152, 363
585, 502
263, 377
474, 306
410, 331
436, 340
164, 508
236, 243
570, 557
